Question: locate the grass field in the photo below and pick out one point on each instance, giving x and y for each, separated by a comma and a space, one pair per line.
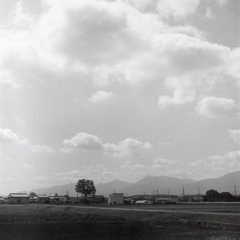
180, 221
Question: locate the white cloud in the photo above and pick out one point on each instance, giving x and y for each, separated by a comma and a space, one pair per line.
39, 148
7, 135
216, 165
177, 9
101, 96
179, 97
215, 107
84, 141
127, 147
234, 135
233, 64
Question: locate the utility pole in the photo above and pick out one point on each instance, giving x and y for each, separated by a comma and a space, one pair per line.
235, 192
168, 191
183, 192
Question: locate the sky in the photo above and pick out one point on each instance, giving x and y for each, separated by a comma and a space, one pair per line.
118, 89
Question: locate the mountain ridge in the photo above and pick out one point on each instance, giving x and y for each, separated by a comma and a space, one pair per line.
156, 185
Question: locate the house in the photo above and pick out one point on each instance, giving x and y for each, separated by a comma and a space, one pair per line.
43, 198
55, 198
167, 199
3, 200
33, 199
115, 198
18, 198
97, 199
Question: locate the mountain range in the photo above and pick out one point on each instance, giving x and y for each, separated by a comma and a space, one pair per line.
156, 185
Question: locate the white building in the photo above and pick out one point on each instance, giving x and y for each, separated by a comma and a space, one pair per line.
115, 198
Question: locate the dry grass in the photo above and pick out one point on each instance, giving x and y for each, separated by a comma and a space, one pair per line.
71, 222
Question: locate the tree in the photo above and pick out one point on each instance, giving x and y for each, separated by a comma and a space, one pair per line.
85, 187
212, 195
32, 194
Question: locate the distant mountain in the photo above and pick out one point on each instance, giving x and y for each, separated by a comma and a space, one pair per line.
225, 183
60, 189
116, 185
154, 185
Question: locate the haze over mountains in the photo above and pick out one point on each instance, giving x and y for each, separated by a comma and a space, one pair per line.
154, 185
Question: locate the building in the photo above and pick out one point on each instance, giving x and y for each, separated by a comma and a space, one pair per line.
97, 199
43, 198
167, 199
18, 198
115, 198
55, 198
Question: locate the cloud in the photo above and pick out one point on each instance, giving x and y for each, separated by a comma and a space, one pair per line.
39, 148
164, 161
27, 166
222, 2
216, 165
177, 9
216, 107
101, 96
179, 97
127, 147
234, 135
84, 141
8, 136
233, 63
97, 33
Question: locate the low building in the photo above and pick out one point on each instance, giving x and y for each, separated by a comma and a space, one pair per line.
97, 199
115, 198
18, 198
55, 198
167, 199
43, 198
3, 200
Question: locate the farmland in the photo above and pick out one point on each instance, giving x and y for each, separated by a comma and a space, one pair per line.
180, 221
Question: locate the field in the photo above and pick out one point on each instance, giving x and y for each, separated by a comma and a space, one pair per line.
179, 221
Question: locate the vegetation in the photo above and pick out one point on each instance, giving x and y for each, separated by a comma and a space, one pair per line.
54, 222
85, 187
214, 196
32, 194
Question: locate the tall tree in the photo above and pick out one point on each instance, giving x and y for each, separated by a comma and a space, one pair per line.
85, 187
